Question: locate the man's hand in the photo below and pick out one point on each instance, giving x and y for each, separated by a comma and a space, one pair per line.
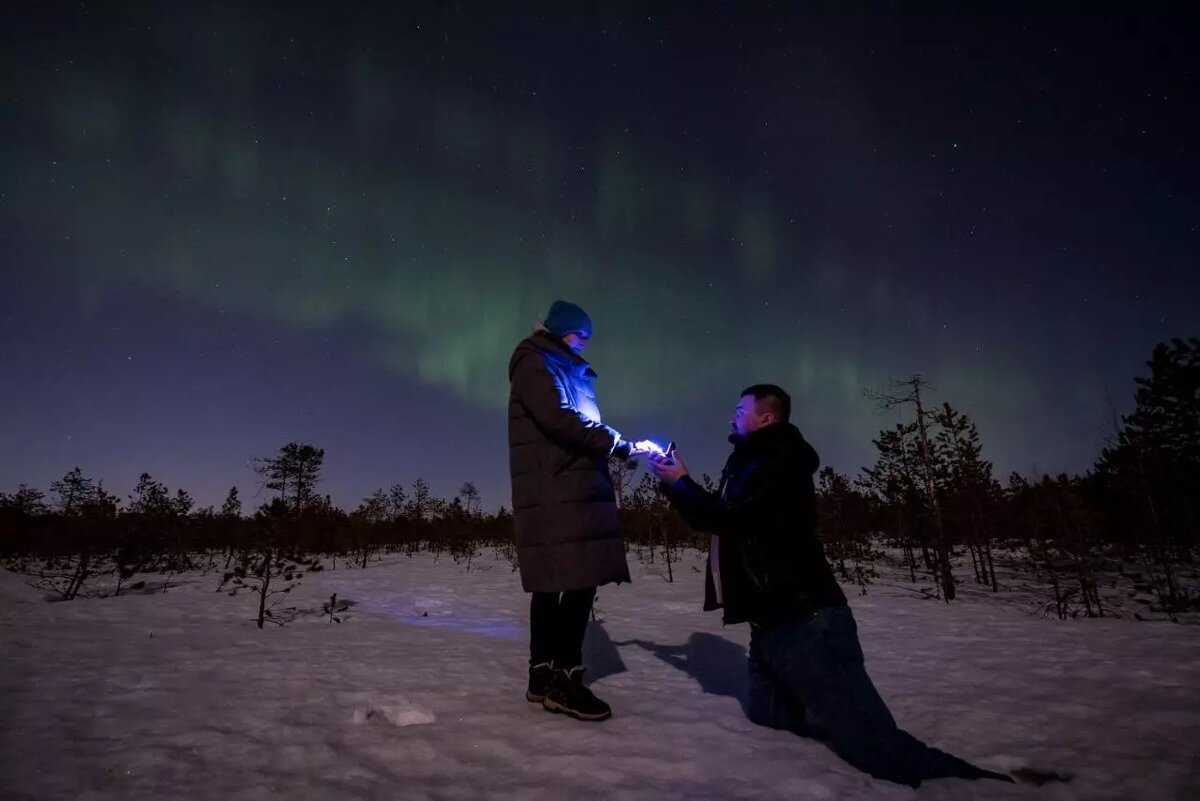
668, 468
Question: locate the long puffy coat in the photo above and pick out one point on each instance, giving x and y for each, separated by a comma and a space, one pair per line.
564, 505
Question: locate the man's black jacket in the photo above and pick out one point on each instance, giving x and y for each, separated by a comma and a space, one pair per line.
772, 566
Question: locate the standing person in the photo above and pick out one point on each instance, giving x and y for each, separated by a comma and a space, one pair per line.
564, 506
767, 567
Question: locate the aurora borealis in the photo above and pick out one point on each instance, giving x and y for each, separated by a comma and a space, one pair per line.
228, 227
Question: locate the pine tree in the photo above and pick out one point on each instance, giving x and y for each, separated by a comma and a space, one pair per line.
371, 514
182, 503
232, 508
470, 499
73, 490
929, 466
149, 497
970, 488
894, 485
89, 517
25, 501
143, 536
1153, 469
271, 569
420, 506
1060, 532
295, 470
230, 519
843, 526
374, 508
397, 501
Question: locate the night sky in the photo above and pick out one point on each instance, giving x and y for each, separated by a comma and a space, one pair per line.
226, 227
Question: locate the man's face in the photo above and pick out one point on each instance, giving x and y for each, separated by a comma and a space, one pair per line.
576, 341
749, 416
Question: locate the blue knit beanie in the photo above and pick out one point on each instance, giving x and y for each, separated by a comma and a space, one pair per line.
564, 317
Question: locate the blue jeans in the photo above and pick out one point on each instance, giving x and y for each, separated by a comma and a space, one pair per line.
817, 665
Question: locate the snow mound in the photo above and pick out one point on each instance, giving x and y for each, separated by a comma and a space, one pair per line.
396, 710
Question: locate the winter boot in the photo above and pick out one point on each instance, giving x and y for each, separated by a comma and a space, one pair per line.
541, 676
568, 695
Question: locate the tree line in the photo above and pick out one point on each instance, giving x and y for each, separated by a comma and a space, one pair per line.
933, 497
930, 503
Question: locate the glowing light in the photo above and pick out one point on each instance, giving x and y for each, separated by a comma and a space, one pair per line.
649, 446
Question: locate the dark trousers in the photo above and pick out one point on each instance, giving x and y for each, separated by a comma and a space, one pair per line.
817, 665
557, 622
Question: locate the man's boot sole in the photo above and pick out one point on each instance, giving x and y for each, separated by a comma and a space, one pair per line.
553, 706
534, 698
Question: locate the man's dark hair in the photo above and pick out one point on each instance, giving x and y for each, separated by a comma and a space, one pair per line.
779, 402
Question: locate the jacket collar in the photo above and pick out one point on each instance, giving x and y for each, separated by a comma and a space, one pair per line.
783, 439
558, 350
762, 438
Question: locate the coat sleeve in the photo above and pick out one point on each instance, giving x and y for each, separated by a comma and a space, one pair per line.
764, 493
692, 502
545, 398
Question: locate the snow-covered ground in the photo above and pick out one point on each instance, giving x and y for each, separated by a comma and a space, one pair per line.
419, 694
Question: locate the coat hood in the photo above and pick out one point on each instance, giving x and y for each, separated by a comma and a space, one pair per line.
783, 437
544, 344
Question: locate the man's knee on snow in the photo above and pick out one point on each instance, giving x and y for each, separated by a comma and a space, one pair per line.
765, 709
